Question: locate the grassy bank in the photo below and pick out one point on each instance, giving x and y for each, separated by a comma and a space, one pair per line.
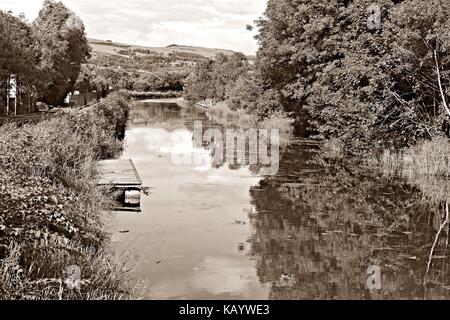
51, 210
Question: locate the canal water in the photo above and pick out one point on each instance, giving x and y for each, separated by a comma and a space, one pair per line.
316, 229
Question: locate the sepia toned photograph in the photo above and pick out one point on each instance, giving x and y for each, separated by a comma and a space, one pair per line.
247, 151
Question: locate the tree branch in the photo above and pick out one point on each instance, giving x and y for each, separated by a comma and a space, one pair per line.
440, 84
436, 240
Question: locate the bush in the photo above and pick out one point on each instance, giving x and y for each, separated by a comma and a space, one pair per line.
141, 85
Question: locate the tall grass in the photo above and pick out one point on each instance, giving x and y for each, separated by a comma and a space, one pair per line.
51, 209
429, 158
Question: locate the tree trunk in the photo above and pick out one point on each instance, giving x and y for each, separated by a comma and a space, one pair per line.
29, 99
16, 101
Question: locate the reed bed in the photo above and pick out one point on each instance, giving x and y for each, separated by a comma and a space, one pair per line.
430, 158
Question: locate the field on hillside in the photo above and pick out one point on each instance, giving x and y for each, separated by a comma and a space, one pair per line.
108, 47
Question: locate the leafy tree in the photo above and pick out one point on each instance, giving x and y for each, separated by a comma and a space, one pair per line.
226, 71
422, 45
198, 84
213, 79
64, 48
85, 78
18, 54
245, 92
17, 48
141, 86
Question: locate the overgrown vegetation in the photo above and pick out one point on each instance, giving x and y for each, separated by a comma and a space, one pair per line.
52, 212
360, 84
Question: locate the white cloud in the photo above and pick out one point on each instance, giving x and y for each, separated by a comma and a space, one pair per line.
209, 23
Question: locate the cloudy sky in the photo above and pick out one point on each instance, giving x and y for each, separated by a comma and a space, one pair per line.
208, 23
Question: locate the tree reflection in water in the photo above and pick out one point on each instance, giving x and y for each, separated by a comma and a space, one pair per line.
317, 228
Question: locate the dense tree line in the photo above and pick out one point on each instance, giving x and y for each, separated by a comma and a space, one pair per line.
354, 81
341, 75
231, 78
214, 78
46, 55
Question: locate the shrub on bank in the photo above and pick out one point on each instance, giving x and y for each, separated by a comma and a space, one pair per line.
51, 209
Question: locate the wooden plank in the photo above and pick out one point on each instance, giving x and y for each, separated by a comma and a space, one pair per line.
121, 173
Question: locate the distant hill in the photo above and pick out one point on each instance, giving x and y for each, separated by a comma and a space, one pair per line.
109, 47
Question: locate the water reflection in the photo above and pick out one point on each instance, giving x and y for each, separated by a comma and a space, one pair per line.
309, 232
318, 228
187, 240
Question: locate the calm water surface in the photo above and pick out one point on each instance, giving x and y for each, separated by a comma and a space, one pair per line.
309, 232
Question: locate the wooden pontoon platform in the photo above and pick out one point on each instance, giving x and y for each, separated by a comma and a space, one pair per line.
122, 176
118, 173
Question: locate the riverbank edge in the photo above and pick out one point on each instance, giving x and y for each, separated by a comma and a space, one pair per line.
224, 116
155, 95
52, 212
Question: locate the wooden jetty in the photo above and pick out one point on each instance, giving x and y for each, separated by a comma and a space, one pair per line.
122, 176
